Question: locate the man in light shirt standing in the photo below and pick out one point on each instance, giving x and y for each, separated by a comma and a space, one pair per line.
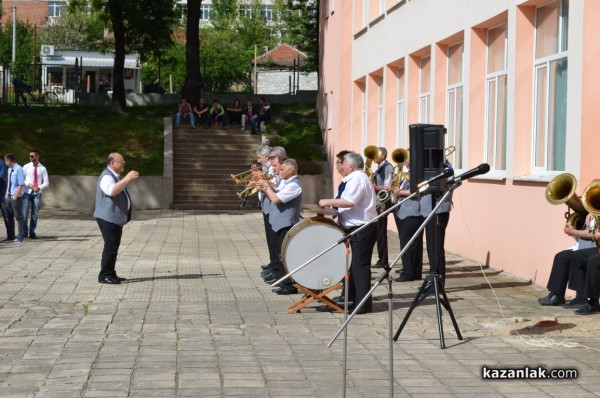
36, 180
112, 211
14, 199
356, 207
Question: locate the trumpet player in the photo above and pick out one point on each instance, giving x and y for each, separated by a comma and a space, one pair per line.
274, 158
382, 179
285, 198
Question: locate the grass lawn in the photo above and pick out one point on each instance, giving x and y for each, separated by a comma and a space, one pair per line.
75, 140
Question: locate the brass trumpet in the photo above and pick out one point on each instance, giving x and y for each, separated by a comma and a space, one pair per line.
242, 177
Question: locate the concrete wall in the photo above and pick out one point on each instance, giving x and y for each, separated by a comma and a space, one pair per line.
281, 82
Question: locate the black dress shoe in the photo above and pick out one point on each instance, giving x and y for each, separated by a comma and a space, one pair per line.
588, 309
285, 290
380, 265
266, 266
109, 280
120, 279
404, 278
545, 297
575, 303
552, 300
338, 299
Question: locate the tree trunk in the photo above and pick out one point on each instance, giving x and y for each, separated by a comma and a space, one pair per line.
116, 16
191, 87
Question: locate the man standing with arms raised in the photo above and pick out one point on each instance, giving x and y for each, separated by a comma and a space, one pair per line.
112, 211
356, 207
36, 180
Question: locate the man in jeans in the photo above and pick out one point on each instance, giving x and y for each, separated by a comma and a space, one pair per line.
3, 177
36, 180
14, 200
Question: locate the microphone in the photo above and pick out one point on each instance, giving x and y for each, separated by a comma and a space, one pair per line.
444, 174
481, 169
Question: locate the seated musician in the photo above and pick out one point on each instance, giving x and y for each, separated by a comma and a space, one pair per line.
356, 207
569, 268
286, 198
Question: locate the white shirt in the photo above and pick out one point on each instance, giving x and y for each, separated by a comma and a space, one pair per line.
107, 184
42, 173
288, 189
359, 191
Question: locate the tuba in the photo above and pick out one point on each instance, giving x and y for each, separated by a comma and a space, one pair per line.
561, 189
371, 153
591, 202
400, 156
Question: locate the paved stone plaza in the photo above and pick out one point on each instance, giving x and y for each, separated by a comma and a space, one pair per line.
195, 319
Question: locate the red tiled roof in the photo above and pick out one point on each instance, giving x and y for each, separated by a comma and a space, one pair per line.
282, 55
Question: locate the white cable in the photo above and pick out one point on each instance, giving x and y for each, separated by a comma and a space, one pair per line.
546, 342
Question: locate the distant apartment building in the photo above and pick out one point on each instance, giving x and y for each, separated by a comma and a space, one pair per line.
514, 82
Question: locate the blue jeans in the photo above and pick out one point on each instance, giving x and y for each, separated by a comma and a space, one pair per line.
14, 209
32, 202
181, 115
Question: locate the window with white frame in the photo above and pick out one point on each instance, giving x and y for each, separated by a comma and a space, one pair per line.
55, 8
246, 10
495, 103
550, 100
380, 121
205, 12
454, 103
363, 93
425, 89
366, 6
401, 140
267, 13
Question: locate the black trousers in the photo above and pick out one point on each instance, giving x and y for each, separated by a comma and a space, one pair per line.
279, 269
111, 233
592, 281
569, 269
382, 243
271, 237
361, 246
435, 233
412, 259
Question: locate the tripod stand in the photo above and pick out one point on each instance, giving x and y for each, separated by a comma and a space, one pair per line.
433, 283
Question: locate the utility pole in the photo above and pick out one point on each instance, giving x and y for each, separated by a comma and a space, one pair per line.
14, 43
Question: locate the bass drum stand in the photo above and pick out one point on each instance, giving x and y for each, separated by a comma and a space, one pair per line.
433, 283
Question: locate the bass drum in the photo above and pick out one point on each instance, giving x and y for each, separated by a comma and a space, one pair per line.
307, 239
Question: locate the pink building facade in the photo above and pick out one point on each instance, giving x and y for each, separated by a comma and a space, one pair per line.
513, 82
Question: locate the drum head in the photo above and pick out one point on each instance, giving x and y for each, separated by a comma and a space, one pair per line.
307, 239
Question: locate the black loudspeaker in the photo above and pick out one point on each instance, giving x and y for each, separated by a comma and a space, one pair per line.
427, 155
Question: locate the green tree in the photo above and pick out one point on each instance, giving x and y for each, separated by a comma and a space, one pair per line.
24, 48
76, 29
143, 27
192, 51
302, 29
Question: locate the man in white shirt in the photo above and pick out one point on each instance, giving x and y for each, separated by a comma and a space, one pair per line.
112, 211
286, 199
356, 207
36, 180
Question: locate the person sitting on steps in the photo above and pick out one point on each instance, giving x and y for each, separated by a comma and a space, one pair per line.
217, 113
185, 112
264, 115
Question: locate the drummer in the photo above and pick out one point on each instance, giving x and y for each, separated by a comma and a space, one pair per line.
286, 198
356, 207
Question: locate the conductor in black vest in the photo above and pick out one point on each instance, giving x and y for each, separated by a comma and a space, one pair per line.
112, 211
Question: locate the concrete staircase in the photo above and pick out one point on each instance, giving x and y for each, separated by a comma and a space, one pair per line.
203, 161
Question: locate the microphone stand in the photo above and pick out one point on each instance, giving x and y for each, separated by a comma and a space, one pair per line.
433, 281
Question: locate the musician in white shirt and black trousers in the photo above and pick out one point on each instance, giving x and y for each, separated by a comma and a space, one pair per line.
36, 180
286, 199
356, 207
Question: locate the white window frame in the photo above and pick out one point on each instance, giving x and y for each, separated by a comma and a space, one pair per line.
380, 111
366, 6
205, 12
545, 64
401, 140
55, 8
454, 112
491, 136
424, 96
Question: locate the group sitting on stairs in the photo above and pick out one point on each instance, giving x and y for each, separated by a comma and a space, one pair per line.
236, 115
